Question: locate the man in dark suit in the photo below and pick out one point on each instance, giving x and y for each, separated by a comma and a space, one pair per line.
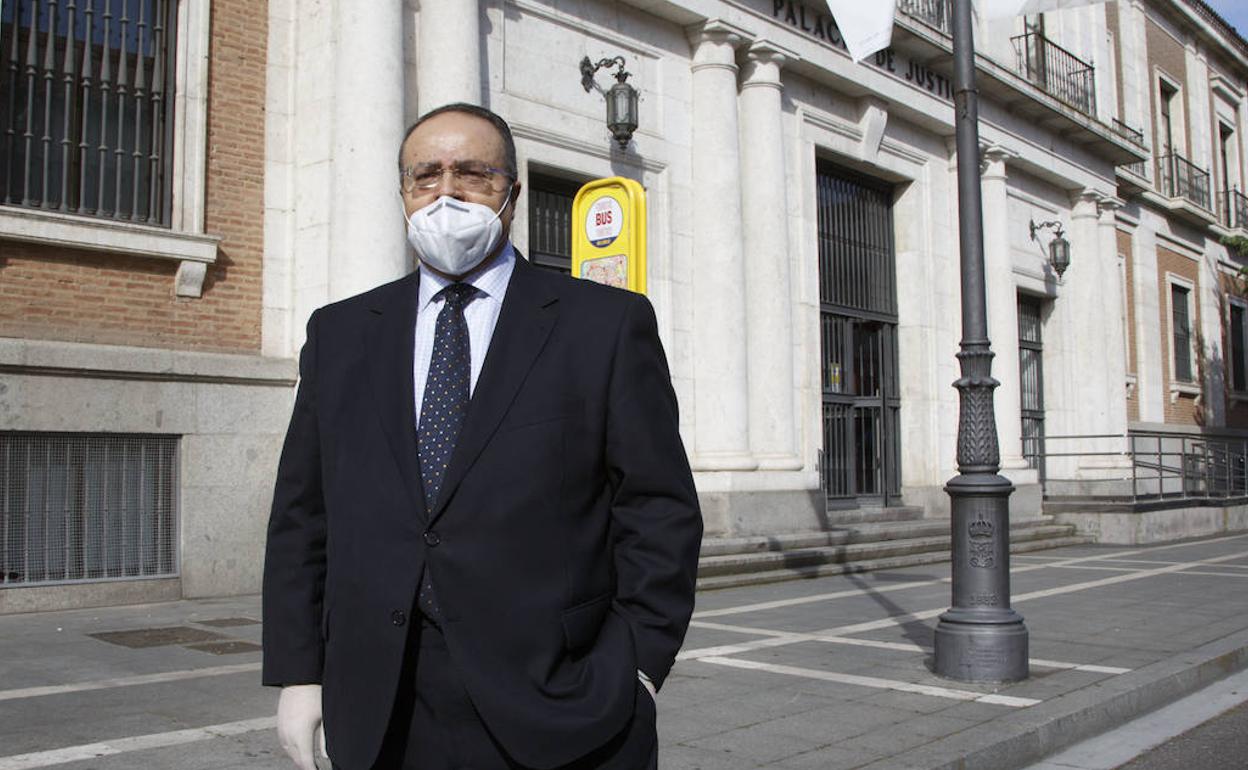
484, 532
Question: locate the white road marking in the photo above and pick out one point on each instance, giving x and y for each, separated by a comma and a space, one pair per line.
910, 617
127, 681
895, 646
134, 743
1125, 578
1217, 574
852, 592
873, 682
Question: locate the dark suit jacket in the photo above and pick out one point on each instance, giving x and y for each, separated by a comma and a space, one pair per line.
564, 547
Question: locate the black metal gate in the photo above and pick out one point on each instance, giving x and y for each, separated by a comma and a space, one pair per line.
1031, 380
858, 334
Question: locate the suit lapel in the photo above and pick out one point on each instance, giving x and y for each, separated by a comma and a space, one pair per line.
527, 316
389, 343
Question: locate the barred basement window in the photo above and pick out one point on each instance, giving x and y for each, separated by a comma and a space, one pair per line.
78, 507
86, 116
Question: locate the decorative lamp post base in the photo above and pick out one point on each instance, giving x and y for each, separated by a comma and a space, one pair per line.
982, 646
980, 638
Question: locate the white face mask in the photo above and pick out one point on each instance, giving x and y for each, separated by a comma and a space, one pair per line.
454, 236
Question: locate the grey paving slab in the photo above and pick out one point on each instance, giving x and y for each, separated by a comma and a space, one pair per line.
1173, 631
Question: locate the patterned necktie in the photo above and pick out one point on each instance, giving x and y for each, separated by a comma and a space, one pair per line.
442, 411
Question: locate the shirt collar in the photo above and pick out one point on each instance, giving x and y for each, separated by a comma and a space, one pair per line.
491, 282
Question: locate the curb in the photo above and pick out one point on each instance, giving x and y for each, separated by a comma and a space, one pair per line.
1028, 736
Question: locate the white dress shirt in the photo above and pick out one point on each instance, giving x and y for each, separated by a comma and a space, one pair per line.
480, 313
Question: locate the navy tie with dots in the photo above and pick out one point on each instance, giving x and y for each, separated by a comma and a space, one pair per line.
442, 411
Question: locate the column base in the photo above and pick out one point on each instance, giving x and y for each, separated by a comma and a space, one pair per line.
723, 461
982, 645
779, 462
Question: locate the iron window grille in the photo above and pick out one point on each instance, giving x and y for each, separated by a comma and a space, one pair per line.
80, 507
86, 116
1181, 332
1031, 378
861, 458
550, 221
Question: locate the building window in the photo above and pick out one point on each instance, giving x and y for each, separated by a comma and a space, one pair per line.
78, 507
1031, 377
1165, 96
1181, 331
1237, 344
550, 221
861, 455
86, 120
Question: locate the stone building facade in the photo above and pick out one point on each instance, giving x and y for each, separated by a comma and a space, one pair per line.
802, 250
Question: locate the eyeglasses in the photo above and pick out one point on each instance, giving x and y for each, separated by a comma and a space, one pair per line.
469, 175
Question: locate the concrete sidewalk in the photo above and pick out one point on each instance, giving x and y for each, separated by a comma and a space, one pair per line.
827, 673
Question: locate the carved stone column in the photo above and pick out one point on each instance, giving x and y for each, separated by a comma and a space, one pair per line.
366, 221
721, 390
1115, 319
768, 299
448, 51
1002, 307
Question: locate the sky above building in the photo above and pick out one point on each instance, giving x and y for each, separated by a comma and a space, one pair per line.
1234, 11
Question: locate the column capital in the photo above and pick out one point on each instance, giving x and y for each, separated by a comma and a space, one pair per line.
763, 62
992, 160
1108, 207
716, 31
1084, 203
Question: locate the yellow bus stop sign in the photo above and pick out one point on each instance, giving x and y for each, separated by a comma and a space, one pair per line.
609, 233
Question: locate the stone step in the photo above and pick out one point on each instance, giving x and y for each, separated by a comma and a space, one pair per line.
841, 516
918, 541
912, 559
844, 535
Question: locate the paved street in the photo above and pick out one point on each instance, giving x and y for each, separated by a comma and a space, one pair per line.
1220, 744
828, 673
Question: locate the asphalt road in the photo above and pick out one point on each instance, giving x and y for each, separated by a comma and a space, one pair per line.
1219, 744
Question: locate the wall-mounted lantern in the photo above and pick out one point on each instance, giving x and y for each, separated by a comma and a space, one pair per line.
1059, 247
621, 98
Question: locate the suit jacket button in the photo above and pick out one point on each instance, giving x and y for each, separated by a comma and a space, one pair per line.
432, 539
398, 617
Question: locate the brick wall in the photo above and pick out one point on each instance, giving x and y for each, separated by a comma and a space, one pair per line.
1168, 54
1124, 248
1182, 410
67, 294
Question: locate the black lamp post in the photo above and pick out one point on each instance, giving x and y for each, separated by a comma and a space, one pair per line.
980, 638
621, 98
1059, 247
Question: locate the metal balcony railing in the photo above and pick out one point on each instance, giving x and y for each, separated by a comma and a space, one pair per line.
1161, 469
934, 13
1233, 209
1135, 135
1057, 71
1178, 177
